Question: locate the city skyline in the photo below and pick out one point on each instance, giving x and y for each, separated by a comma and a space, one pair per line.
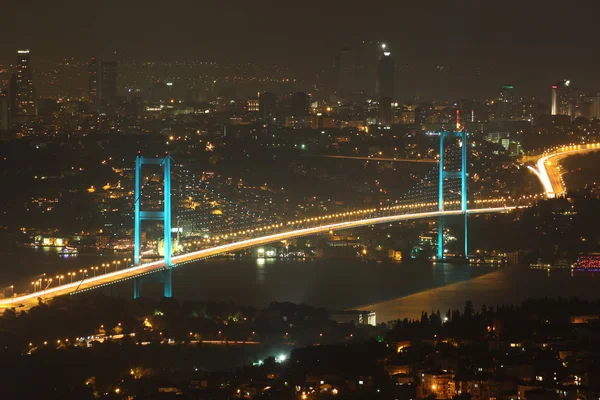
468, 47
299, 201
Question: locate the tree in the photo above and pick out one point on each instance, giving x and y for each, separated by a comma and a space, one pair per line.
469, 309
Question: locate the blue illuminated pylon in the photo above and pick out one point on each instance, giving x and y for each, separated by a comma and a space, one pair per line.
462, 174
165, 216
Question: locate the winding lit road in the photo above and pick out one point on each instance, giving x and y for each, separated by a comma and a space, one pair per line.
27, 301
548, 167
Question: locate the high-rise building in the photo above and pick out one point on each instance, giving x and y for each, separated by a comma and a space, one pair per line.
267, 106
93, 81
564, 99
386, 115
590, 107
385, 84
345, 65
506, 104
423, 113
108, 80
300, 104
12, 94
24, 90
4, 113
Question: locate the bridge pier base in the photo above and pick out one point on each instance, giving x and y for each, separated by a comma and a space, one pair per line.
440, 249
165, 277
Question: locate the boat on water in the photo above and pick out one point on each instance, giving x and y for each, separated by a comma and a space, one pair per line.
68, 251
561, 263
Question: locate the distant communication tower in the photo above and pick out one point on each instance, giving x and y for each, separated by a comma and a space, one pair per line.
164, 216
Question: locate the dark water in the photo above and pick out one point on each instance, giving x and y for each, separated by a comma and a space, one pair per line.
20, 265
331, 283
509, 285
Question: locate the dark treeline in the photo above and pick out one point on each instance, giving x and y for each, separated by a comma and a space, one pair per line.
504, 322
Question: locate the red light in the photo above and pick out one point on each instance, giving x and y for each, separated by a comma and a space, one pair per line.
555, 87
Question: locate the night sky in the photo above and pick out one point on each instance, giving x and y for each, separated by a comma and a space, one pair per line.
479, 44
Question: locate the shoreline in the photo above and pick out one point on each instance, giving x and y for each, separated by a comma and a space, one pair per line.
365, 307
451, 296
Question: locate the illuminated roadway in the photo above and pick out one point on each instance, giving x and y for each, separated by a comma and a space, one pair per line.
548, 167
409, 160
29, 300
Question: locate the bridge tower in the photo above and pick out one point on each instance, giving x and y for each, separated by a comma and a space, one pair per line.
163, 276
462, 175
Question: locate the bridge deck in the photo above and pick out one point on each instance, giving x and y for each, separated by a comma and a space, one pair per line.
29, 300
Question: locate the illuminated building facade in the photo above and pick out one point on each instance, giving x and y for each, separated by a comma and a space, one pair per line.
590, 107
253, 104
564, 99
24, 89
93, 82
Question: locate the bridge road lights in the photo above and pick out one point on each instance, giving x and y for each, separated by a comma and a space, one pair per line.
105, 266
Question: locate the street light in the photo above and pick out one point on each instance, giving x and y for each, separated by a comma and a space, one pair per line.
105, 266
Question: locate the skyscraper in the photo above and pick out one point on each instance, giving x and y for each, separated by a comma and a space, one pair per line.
506, 105
590, 107
12, 94
267, 104
345, 64
300, 104
93, 82
564, 99
24, 90
4, 112
385, 84
108, 80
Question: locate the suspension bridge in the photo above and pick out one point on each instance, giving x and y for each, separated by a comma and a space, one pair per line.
441, 194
